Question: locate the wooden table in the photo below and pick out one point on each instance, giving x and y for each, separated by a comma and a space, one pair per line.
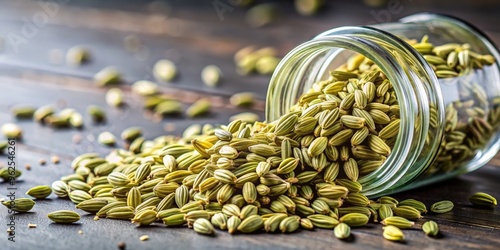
193, 35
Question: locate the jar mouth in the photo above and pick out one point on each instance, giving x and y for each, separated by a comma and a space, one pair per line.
412, 96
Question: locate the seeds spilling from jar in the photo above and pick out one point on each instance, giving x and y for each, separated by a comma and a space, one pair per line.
301, 170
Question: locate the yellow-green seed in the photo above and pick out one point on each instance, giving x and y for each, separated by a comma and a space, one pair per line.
385, 211
199, 108
354, 219
483, 199
23, 112
219, 220
233, 224
96, 113
11, 130
266, 64
342, 231
211, 75
203, 226
165, 70
398, 222
144, 218
106, 138
145, 88
243, 99
39, 192
323, 221
430, 228
64, 216
92, 205
442, 207
290, 224
174, 220
115, 97
251, 224
21, 205
407, 212
77, 55
393, 233
107, 76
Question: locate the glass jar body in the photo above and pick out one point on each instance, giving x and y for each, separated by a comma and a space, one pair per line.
449, 107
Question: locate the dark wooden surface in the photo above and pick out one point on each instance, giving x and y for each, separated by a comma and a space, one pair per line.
192, 34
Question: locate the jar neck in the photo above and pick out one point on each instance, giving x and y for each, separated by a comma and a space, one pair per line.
416, 87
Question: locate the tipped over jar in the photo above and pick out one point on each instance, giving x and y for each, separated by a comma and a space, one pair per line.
401, 104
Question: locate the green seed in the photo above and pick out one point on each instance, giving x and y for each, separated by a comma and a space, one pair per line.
77, 55
407, 212
211, 75
233, 224
145, 88
107, 76
354, 219
199, 108
203, 226
96, 113
342, 231
420, 206
39, 192
77, 196
92, 205
393, 233
266, 65
251, 224
385, 212
430, 228
174, 220
60, 188
42, 113
11, 130
76, 120
290, 224
9, 175
115, 97
219, 220
106, 138
323, 221
398, 222
21, 205
261, 15
64, 216
144, 218
483, 199
244, 99
442, 207
120, 213
23, 112
273, 223
245, 117
165, 70
168, 108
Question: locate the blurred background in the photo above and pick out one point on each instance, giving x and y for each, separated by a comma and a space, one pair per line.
192, 34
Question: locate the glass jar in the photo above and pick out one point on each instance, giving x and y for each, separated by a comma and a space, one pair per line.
449, 121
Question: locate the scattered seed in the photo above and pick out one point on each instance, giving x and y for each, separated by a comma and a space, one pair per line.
11, 130
77, 55
165, 70
211, 75
107, 76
